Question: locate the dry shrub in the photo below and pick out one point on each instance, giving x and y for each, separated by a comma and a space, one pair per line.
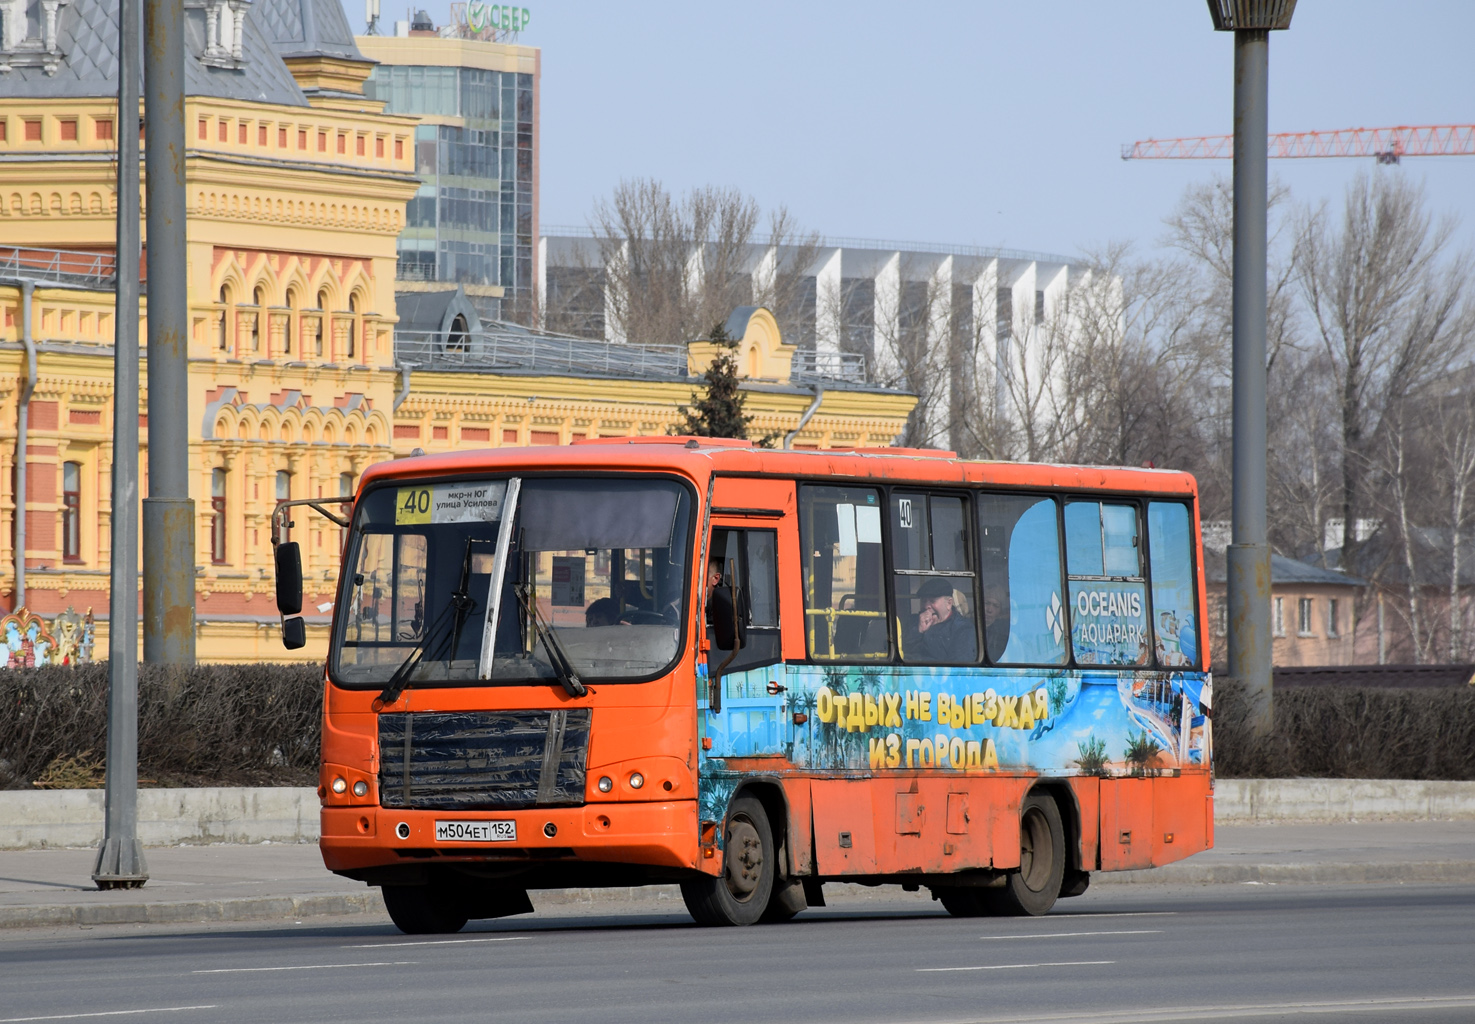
210, 725
1348, 733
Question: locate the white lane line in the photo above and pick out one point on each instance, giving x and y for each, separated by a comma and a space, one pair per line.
108, 1013
1123, 913
1012, 967
300, 967
1222, 1012
1068, 935
437, 942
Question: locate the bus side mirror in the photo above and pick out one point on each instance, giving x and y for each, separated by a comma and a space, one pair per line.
294, 633
721, 615
289, 578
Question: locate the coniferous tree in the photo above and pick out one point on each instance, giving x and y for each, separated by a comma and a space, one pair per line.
718, 413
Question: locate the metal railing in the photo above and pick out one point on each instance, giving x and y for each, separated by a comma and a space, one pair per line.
500, 346
811, 365
507, 347
59, 266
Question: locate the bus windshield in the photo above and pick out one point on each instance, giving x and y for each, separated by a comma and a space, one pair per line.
595, 574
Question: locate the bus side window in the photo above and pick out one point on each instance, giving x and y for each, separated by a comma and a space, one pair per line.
1019, 558
749, 564
933, 579
1174, 610
845, 610
1108, 594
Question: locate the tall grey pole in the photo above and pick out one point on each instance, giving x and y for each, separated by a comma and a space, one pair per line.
168, 512
120, 863
1249, 554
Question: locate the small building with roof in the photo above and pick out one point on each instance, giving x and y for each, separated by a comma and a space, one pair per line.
1313, 611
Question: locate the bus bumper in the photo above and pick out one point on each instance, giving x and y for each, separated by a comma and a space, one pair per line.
654, 834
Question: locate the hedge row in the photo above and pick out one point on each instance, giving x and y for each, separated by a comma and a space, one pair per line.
211, 725
1345, 733
231, 725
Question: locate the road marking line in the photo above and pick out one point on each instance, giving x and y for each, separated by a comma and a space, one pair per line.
108, 1013
1010, 967
302, 967
1069, 935
437, 942
1123, 913
1221, 1012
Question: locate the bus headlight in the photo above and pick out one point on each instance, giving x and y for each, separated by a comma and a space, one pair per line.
606, 784
636, 780
360, 788
340, 785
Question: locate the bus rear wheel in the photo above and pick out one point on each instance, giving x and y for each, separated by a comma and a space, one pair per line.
739, 896
422, 910
1033, 888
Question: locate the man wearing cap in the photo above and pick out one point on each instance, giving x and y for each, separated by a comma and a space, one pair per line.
943, 634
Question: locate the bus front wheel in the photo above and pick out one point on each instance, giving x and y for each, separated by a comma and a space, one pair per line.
422, 910
740, 895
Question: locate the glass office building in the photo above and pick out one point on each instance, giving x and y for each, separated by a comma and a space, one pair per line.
474, 219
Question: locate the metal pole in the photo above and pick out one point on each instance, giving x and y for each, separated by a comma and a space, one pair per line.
1249, 554
120, 863
168, 512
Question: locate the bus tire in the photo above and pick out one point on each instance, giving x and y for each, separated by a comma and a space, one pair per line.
422, 910
740, 895
964, 901
1032, 889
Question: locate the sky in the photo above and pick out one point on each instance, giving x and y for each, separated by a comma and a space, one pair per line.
983, 123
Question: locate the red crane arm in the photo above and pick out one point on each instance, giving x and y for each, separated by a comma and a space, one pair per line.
1389, 145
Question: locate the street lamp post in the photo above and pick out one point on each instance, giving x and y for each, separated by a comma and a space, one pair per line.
1248, 556
120, 863
168, 511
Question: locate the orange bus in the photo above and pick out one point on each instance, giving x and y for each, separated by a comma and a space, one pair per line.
749, 672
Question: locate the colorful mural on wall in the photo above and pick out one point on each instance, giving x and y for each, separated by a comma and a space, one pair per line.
29, 642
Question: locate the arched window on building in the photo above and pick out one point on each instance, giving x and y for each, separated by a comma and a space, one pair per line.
217, 516
291, 322
222, 334
322, 327
353, 325
71, 511
258, 319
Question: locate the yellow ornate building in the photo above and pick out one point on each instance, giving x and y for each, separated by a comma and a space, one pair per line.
305, 366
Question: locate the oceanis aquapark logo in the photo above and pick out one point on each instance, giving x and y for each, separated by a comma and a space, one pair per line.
500, 17
1053, 618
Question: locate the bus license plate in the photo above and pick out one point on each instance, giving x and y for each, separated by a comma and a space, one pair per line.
476, 831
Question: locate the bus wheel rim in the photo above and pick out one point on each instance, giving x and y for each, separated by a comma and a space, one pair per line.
744, 860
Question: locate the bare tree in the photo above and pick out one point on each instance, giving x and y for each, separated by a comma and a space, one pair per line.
671, 268
1388, 309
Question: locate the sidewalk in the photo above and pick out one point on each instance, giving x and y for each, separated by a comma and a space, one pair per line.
273, 881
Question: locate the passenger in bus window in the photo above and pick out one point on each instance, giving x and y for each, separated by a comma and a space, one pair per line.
943, 633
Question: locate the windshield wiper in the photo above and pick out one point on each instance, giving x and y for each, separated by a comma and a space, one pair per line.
455, 615
557, 657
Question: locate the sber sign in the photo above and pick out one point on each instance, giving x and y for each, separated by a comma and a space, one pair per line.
482, 16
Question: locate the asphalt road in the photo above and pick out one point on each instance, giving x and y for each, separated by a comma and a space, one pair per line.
1117, 954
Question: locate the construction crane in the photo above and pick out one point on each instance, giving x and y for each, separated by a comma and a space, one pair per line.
1387, 145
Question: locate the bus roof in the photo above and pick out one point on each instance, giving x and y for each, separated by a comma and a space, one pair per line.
700, 457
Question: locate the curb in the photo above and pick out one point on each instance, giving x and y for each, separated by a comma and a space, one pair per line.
286, 908
251, 908
1455, 872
